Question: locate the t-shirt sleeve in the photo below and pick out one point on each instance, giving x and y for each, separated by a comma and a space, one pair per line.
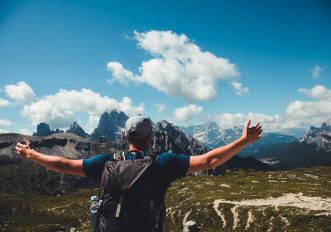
173, 166
93, 167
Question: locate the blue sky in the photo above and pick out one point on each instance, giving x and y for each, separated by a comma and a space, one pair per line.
185, 61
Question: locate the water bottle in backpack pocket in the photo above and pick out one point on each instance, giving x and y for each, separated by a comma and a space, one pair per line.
94, 207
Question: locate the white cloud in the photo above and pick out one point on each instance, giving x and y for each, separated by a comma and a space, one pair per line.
187, 113
21, 92
4, 102
299, 114
318, 91
25, 131
240, 90
160, 107
316, 71
3, 131
118, 72
179, 67
311, 111
5, 122
227, 120
59, 110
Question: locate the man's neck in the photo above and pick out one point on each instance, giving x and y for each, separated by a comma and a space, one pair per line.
134, 148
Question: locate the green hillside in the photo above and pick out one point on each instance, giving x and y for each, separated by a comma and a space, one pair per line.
300, 201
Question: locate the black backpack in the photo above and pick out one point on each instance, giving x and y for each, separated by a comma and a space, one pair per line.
132, 197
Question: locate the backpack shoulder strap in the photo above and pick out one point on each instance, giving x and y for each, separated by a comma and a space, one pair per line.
119, 155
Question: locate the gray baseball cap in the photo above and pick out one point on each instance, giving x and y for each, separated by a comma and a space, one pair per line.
138, 127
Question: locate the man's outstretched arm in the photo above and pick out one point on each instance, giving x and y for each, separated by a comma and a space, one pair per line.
220, 155
55, 163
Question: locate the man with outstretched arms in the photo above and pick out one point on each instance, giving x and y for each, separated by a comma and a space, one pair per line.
166, 167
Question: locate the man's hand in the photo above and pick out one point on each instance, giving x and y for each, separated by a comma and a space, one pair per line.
251, 134
24, 149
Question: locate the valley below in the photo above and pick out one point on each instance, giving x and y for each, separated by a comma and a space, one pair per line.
241, 200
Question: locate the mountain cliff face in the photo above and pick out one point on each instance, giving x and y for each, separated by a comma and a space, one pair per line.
76, 129
110, 126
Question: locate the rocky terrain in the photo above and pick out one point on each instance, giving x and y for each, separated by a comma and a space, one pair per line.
296, 200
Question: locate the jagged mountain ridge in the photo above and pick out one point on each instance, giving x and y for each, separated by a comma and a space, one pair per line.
313, 149
319, 137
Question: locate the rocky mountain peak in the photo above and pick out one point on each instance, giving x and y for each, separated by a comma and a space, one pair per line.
43, 129
212, 126
110, 125
319, 136
76, 129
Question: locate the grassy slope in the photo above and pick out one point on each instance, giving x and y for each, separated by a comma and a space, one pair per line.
33, 212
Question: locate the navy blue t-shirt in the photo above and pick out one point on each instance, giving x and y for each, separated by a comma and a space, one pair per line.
171, 165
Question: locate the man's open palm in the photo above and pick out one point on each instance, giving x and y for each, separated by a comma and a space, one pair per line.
251, 134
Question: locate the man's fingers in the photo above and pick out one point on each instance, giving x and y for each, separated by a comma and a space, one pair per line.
27, 142
18, 149
259, 129
23, 146
247, 124
19, 145
257, 125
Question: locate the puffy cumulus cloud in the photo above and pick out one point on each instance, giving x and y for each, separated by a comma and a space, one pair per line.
187, 113
21, 92
5, 122
240, 90
316, 71
57, 116
119, 72
318, 91
311, 112
179, 67
299, 114
160, 107
59, 110
4, 102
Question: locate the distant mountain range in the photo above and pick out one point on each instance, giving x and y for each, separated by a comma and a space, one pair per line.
275, 149
313, 149
213, 136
